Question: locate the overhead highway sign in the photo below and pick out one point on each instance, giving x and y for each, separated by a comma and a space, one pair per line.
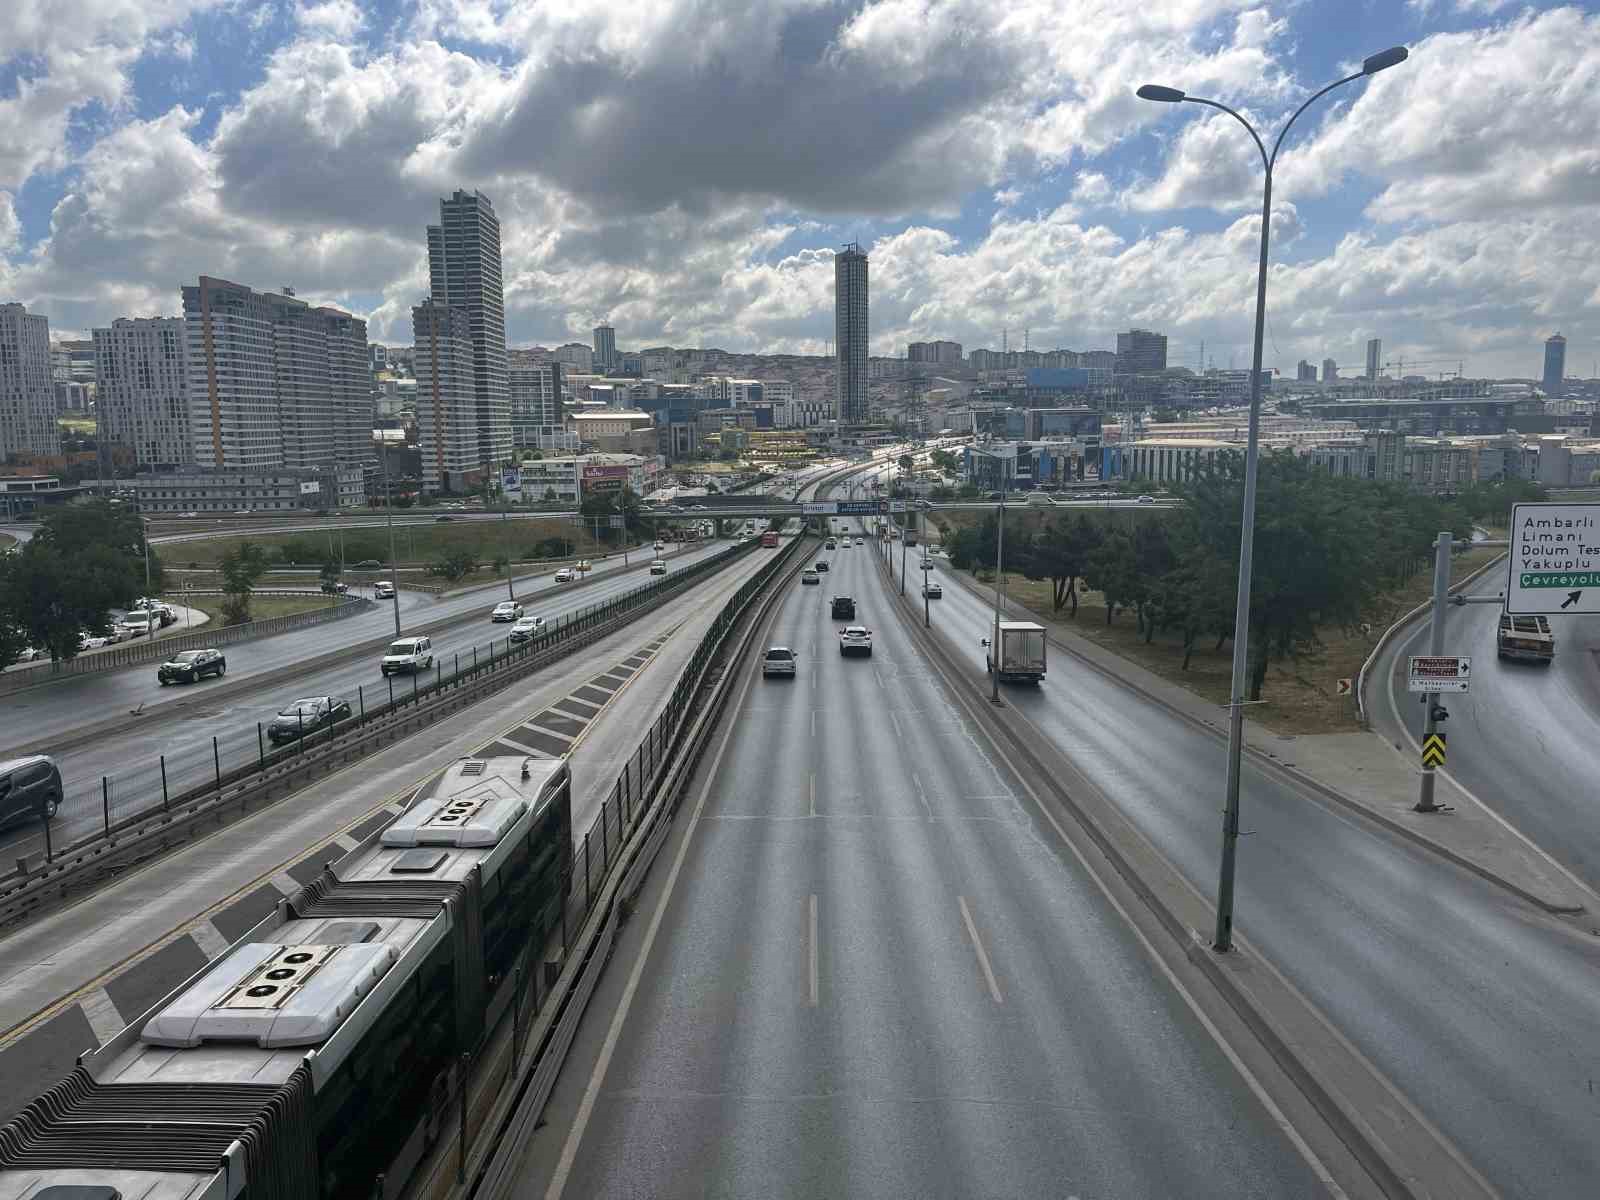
1554, 559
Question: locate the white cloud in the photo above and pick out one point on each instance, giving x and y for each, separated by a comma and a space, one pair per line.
341, 19
10, 227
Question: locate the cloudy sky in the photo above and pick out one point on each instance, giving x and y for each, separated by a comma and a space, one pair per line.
687, 167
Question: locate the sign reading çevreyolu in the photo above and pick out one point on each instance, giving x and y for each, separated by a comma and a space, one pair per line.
1554, 559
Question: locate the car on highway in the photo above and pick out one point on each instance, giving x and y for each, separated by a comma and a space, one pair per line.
660, 545
829, 544
383, 589
659, 567
506, 610
29, 787
368, 564
584, 565
778, 660
407, 654
334, 587
1147, 499
306, 715
444, 517
927, 564
566, 575
932, 591
822, 564
810, 576
1039, 498
139, 622
855, 639
842, 608
190, 666
526, 629
861, 541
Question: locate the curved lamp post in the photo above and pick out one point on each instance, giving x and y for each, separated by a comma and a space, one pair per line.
1241, 625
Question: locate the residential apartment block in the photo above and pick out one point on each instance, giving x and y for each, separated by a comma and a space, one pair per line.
141, 369
447, 428
27, 392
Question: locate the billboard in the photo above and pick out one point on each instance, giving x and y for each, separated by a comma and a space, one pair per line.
604, 479
511, 483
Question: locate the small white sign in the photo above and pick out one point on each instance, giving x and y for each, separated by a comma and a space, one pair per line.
1554, 559
1439, 673
819, 508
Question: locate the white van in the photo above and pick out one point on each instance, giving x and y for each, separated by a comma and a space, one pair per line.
139, 623
383, 590
408, 655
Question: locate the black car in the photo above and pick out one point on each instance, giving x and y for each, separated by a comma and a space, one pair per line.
192, 665
307, 716
844, 608
334, 589
29, 787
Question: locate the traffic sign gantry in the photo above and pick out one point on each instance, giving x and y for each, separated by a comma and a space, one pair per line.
1439, 673
1554, 559
1433, 750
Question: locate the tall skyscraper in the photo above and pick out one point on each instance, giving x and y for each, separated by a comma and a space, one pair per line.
850, 331
1555, 365
464, 273
447, 410
1330, 370
1140, 351
1374, 357
141, 370
272, 381
1305, 372
27, 392
605, 348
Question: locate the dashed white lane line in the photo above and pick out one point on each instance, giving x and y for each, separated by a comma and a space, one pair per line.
983, 955
811, 948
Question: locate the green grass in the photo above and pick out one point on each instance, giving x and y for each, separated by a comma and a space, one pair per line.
488, 540
7, 541
262, 606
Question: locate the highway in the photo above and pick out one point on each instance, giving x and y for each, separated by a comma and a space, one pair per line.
880, 974
1523, 740
1466, 998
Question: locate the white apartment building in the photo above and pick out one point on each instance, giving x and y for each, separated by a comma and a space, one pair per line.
447, 427
233, 399
571, 477
535, 402
577, 356
27, 391
141, 369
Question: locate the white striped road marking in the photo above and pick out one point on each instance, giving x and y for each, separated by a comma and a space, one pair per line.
983, 957
209, 938
102, 1015
811, 946
527, 749
345, 842
811, 787
285, 883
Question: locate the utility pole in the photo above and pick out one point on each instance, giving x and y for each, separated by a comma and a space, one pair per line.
388, 512
1430, 701
994, 646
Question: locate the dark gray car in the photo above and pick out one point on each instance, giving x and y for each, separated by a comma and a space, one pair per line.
29, 787
307, 716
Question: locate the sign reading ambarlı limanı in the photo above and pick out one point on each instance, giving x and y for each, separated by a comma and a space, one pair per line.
1554, 559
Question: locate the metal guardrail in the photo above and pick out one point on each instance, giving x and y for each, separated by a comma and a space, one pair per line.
131, 829
149, 649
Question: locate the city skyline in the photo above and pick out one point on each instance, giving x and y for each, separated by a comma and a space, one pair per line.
1055, 204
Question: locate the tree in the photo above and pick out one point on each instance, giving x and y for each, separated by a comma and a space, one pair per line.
1061, 555
113, 533
549, 495
945, 461
240, 568
453, 566
330, 571
906, 464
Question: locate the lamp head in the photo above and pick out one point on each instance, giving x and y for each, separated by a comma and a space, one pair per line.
1165, 95
1384, 59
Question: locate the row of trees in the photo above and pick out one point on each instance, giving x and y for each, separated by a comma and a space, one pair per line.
1326, 550
84, 560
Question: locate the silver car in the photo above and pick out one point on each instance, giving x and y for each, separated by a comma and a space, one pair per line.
778, 660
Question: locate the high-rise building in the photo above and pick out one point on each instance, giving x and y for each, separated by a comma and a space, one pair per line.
1140, 351
447, 428
535, 402
944, 353
273, 381
1330, 370
1555, 365
141, 372
27, 392
464, 273
1305, 372
1374, 357
605, 348
851, 331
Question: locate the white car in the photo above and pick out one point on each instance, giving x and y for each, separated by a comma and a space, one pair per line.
855, 639
566, 575
506, 610
810, 576
383, 590
778, 660
408, 654
659, 567
526, 629
660, 546
932, 590
138, 622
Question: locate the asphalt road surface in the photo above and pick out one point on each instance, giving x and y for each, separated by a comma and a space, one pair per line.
1482, 1009
132, 761
879, 975
1526, 739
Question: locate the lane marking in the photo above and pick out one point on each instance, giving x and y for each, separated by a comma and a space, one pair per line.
102, 1015
209, 938
345, 842
813, 723
811, 947
983, 956
569, 1149
285, 883
812, 789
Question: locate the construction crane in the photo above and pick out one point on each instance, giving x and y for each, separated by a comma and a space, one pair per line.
1399, 365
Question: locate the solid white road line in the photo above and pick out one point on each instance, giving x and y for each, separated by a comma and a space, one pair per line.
811, 945
811, 788
569, 1150
983, 957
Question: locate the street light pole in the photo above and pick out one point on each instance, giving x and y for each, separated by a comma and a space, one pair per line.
1223, 940
388, 512
999, 555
